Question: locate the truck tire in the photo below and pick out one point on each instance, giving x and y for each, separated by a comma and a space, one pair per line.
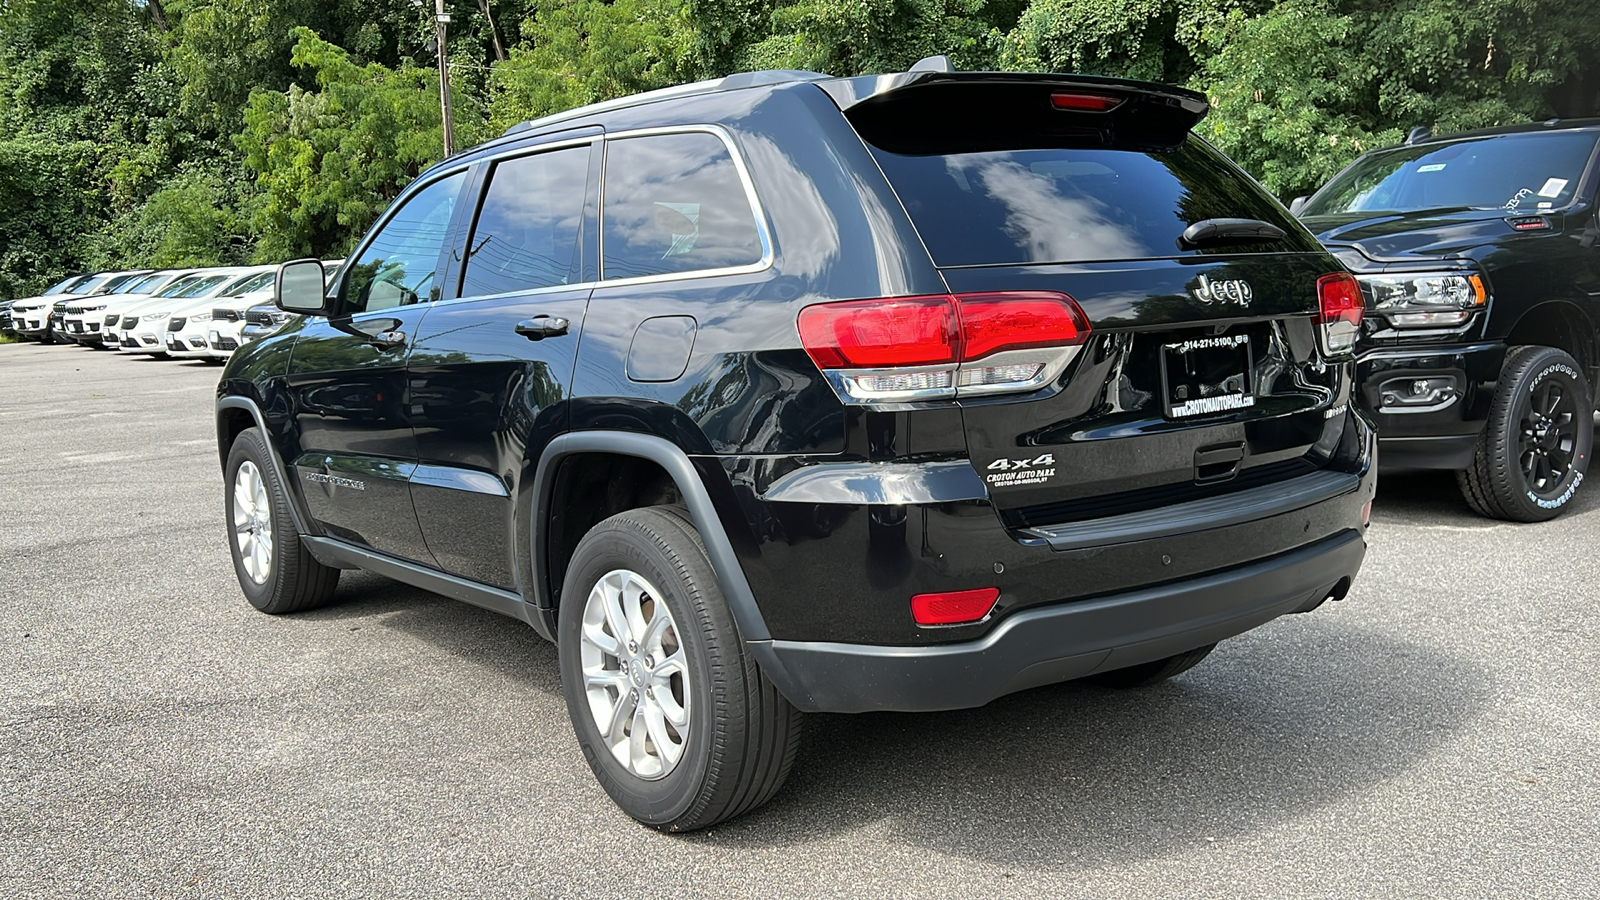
1534, 450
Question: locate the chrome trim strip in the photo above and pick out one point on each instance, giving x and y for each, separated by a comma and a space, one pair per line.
451, 478
858, 483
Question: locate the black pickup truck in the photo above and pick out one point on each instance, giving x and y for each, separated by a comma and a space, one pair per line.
1477, 255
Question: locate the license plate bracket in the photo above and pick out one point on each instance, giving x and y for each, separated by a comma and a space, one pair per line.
1206, 376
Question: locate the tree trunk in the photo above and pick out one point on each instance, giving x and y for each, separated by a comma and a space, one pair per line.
158, 15
494, 33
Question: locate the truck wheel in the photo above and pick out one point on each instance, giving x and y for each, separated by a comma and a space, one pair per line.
1535, 447
278, 574
1149, 673
677, 722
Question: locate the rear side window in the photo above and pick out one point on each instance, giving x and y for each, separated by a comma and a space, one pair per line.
1062, 205
675, 203
526, 236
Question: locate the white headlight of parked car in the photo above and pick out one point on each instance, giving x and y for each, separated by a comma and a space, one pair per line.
1423, 299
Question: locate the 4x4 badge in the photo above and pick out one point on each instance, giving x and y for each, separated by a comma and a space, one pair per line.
1018, 472
1234, 291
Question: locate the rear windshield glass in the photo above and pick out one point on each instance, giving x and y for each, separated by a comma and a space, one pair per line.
1517, 172
1076, 204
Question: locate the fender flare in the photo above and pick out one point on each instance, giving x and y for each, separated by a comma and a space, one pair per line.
303, 522
670, 457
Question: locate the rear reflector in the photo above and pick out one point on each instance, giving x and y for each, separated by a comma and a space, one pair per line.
953, 607
1086, 102
927, 348
1342, 307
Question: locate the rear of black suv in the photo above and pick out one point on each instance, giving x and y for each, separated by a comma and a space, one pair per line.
888, 393
1478, 258
1150, 437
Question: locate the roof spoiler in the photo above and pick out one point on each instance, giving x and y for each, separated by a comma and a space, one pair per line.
933, 109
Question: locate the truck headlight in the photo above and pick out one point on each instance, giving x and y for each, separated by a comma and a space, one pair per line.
1423, 299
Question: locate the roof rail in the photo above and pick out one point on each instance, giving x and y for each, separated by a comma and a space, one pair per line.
1419, 133
729, 83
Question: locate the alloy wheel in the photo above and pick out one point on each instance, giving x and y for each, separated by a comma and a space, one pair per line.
252, 522
1548, 436
635, 674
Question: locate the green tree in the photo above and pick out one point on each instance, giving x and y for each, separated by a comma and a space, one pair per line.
327, 161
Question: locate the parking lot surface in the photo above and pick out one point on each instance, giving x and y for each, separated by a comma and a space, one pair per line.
1436, 734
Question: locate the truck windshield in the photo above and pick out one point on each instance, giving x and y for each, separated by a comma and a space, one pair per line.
1516, 172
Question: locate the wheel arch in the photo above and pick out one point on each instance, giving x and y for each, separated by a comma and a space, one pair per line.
648, 466
1564, 326
234, 415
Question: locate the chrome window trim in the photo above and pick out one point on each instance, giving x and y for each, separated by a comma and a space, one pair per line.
756, 210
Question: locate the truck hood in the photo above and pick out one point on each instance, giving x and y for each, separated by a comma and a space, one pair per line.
1390, 237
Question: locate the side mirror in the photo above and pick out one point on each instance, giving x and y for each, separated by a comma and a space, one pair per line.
299, 288
1297, 204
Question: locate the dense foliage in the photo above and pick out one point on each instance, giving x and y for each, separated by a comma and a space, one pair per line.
164, 132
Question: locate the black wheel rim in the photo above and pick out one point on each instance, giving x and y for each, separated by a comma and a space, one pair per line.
1549, 438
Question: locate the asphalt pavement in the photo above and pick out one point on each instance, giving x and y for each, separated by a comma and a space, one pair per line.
1436, 734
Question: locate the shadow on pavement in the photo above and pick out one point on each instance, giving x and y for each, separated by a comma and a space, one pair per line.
508, 646
1270, 728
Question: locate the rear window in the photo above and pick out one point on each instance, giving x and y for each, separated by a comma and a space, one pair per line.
1062, 205
1515, 172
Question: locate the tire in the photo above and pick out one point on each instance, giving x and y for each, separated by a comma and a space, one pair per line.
276, 572
735, 736
1534, 450
1146, 674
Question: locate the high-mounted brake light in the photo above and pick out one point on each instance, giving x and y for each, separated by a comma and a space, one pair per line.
943, 346
1086, 102
1341, 310
953, 607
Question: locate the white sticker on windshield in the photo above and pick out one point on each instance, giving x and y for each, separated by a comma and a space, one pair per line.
1436, 167
1545, 204
1553, 187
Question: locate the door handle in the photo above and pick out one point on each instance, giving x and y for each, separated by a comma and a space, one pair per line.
387, 340
540, 327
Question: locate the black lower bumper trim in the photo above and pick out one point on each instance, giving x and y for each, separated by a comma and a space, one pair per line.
1447, 452
1058, 643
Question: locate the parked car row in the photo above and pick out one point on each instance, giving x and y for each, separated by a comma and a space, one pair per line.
192, 313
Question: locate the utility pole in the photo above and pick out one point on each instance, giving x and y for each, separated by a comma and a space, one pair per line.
441, 19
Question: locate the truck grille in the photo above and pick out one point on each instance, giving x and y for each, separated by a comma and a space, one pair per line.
224, 315
258, 318
130, 321
176, 323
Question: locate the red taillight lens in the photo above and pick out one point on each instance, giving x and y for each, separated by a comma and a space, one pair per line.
953, 607
863, 344
879, 334
1086, 102
991, 323
1341, 305
1340, 296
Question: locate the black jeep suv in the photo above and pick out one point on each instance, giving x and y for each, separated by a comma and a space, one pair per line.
1479, 259
787, 393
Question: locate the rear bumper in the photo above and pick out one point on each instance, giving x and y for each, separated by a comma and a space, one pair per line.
1057, 643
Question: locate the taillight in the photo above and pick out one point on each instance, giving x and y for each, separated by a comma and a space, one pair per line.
1341, 305
953, 607
940, 347
1081, 102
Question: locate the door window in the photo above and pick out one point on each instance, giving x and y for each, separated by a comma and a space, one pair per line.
400, 266
526, 236
675, 203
